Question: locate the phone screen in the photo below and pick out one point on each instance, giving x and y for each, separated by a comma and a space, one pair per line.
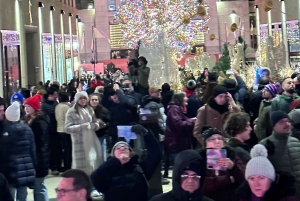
212, 157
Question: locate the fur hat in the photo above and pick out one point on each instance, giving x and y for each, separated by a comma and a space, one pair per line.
191, 85
34, 102
78, 95
17, 97
260, 164
277, 116
12, 113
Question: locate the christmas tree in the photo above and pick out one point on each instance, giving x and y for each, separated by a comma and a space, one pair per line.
224, 62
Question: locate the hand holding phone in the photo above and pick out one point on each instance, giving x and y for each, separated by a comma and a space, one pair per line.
226, 163
213, 156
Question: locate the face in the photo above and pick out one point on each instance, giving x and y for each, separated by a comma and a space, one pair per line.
259, 184
140, 62
121, 149
82, 101
189, 181
155, 94
185, 100
53, 97
67, 192
221, 99
288, 85
266, 94
29, 110
115, 98
265, 73
283, 126
94, 101
127, 82
246, 134
2, 112
215, 141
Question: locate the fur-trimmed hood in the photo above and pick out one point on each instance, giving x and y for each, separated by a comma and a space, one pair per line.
283, 187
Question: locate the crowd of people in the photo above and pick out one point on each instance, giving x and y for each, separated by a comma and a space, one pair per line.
221, 141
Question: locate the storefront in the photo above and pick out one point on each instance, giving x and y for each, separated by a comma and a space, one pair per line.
68, 57
59, 59
47, 57
11, 63
75, 53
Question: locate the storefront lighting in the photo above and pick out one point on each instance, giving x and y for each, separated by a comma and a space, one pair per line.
41, 5
62, 12
52, 8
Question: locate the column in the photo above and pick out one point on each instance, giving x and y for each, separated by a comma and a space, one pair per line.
42, 77
52, 9
62, 12
284, 34
71, 38
269, 23
257, 26
79, 35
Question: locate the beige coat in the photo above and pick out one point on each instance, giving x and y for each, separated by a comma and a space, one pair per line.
211, 117
60, 115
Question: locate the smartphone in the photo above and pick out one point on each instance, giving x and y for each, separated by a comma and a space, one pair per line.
229, 72
212, 157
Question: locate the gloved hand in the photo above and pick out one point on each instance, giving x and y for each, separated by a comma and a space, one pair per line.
139, 130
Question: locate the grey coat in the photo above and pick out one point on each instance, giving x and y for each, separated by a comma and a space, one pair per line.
86, 151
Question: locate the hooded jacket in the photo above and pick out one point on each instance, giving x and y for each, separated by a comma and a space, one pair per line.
182, 160
282, 102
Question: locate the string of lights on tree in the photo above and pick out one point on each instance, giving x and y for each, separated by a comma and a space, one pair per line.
179, 20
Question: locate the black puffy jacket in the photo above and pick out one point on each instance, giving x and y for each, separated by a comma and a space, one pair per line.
17, 154
39, 127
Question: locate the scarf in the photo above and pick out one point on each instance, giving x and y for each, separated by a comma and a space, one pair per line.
220, 108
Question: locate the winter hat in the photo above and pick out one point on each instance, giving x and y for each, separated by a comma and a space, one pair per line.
277, 116
209, 131
213, 77
34, 102
17, 97
260, 164
295, 104
78, 95
230, 84
191, 85
272, 88
294, 116
118, 143
195, 167
219, 89
12, 113
165, 87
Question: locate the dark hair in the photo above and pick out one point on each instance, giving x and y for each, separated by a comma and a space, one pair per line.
50, 91
143, 59
166, 87
213, 77
177, 98
98, 78
63, 97
208, 92
264, 80
112, 93
237, 123
81, 181
100, 111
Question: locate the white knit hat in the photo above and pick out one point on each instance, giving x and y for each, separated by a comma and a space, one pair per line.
78, 95
12, 113
260, 164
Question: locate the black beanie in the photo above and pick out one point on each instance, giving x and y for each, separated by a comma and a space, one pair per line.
195, 167
219, 89
277, 116
209, 131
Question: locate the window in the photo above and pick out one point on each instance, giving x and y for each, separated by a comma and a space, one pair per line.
111, 5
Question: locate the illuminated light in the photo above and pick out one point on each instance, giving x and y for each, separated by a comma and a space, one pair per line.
62, 12
41, 5
52, 8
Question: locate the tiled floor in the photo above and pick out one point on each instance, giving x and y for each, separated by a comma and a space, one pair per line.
51, 183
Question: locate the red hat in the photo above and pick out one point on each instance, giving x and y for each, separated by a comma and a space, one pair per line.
34, 102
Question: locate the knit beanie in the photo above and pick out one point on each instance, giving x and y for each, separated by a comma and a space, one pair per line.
118, 143
191, 85
17, 97
277, 116
219, 89
12, 113
78, 95
260, 164
272, 88
34, 102
195, 167
209, 131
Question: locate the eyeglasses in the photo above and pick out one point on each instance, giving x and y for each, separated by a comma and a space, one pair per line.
120, 147
194, 177
214, 139
64, 191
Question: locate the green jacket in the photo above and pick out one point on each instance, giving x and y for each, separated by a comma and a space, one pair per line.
282, 102
285, 156
263, 124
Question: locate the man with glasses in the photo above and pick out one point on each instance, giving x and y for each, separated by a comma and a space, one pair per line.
75, 185
189, 173
283, 149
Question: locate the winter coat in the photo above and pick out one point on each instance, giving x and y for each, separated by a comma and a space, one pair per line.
5, 194
179, 131
95, 83
143, 76
282, 102
241, 93
48, 107
255, 100
166, 97
283, 189
39, 128
194, 103
86, 149
206, 115
177, 193
103, 114
263, 124
283, 153
60, 115
223, 186
133, 98
126, 182
234, 143
18, 154
154, 103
